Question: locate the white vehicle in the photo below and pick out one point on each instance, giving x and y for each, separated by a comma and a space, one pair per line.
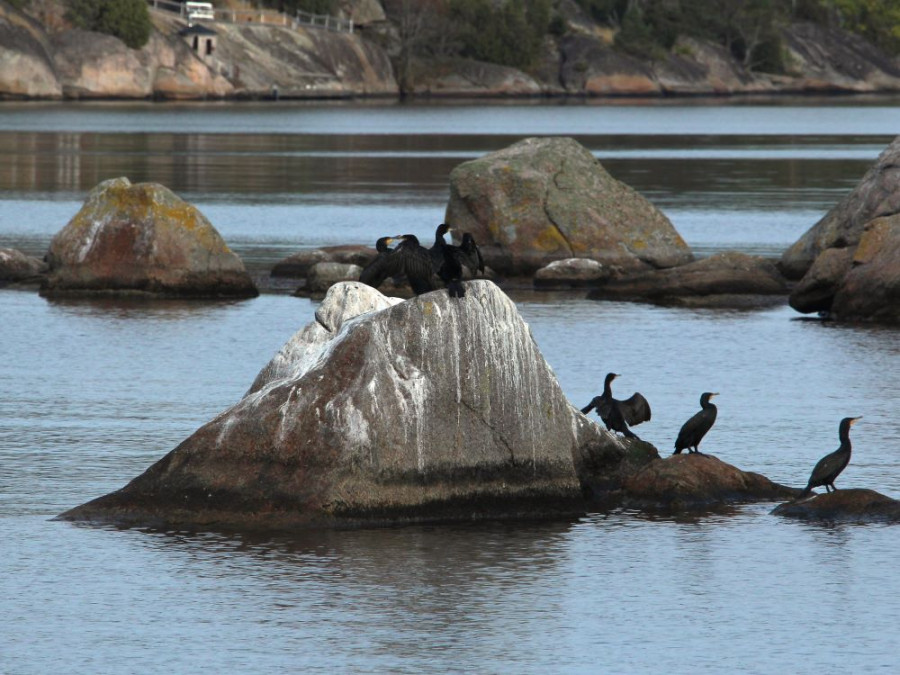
199, 10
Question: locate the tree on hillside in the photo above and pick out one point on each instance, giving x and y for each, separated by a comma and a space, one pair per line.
128, 20
876, 20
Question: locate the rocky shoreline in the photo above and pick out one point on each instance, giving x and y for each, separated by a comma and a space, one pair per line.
42, 57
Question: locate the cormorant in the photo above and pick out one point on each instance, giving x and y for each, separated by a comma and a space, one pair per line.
470, 256
446, 259
385, 264
416, 263
619, 415
830, 466
693, 431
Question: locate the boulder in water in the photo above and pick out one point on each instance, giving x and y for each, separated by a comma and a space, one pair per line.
697, 481
143, 239
546, 199
850, 505
431, 409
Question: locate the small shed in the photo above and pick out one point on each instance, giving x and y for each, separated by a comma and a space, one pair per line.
200, 38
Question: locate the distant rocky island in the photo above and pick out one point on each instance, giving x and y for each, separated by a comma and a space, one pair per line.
43, 56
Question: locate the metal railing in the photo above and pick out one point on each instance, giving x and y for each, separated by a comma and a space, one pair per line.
268, 17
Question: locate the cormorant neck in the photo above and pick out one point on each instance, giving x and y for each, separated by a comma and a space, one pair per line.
844, 435
607, 386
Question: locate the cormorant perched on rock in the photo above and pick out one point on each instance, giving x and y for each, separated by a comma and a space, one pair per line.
446, 259
416, 263
470, 256
830, 466
693, 431
386, 264
619, 415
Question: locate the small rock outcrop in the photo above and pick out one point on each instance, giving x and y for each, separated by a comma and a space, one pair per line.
877, 195
142, 238
695, 481
297, 265
546, 199
849, 505
721, 279
571, 273
16, 267
324, 275
431, 409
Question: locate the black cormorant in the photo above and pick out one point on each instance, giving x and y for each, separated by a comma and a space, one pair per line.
693, 431
470, 256
385, 264
619, 415
416, 263
446, 260
830, 466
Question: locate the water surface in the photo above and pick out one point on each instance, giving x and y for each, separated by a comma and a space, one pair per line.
96, 391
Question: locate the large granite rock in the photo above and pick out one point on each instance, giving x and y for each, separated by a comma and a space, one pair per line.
816, 290
26, 58
697, 481
848, 260
302, 63
142, 238
877, 195
94, 65
431, 409
729, 278
545, 199
829, 59
464, 77
16, 267
851, 505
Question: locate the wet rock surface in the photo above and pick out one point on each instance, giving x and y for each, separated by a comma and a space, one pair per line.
845, 505
697, 481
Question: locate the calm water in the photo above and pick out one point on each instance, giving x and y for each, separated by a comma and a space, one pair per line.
93, 392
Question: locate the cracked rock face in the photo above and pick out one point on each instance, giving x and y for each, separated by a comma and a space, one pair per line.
381, 412
546, 199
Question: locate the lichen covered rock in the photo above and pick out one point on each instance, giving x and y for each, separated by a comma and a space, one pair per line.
142, 238
545, 199
431, 409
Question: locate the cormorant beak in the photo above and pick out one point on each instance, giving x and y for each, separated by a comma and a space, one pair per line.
854, 419
714, 395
